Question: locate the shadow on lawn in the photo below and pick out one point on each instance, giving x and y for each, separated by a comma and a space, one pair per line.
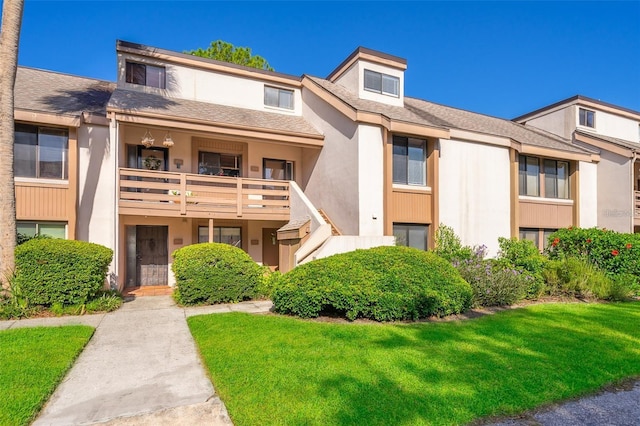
454, 373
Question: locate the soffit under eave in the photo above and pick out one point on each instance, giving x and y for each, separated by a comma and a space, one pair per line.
47, 118
555, 153
267, 135
606, 145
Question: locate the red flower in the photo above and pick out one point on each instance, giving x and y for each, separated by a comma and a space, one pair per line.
588, 240
556, 241
615, 252
628, 245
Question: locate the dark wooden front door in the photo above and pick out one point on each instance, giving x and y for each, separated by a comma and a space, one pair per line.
152, 255
270, 248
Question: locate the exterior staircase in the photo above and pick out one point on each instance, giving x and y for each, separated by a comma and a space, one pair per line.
334, 228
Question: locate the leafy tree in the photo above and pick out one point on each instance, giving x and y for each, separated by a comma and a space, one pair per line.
9, 37
227, 52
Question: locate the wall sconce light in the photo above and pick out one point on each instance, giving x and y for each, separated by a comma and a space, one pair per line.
168, 142
178, 162
147, 139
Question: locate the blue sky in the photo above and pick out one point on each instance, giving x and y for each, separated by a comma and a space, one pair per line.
497, 58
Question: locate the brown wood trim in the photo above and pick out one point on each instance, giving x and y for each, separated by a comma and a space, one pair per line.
374, 118
64, 184
434, 176
416, 191
221, 129
559, 155
369, 57
515, 193
72, 194
388, 181
609, 146
46, 118
574, 187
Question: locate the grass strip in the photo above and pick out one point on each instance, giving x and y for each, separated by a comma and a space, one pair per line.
273, 370
32, 363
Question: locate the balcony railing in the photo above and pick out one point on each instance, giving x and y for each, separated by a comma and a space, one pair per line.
637, 203
155, 193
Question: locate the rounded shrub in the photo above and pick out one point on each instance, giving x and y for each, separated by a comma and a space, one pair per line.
214, 273
382, 283
52, 271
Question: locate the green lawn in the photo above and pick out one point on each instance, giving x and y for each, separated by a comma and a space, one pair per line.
279, 370
32, 363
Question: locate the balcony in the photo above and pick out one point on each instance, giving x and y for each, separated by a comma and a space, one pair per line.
169, 194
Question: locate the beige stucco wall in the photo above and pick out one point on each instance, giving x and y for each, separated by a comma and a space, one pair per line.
612, 125
615, 189
474, 192
560, 122
588, 194
331, 176
208, 86
370, 181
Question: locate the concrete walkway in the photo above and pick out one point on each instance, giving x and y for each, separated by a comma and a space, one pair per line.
140, 367
614, 408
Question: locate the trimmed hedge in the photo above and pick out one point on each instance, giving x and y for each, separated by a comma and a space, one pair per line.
382, 283
52, 271
214, 273
611, 251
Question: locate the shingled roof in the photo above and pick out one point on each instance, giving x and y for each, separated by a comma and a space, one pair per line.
419, 111
138, 102
51, 92
619, 142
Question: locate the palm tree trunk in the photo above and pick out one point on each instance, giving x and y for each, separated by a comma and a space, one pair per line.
9, 37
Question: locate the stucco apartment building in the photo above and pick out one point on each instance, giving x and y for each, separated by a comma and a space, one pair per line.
181, 150
613, 132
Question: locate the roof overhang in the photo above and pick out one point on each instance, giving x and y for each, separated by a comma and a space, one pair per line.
623, 151
554, 153
362, 53
367, 117
225, 129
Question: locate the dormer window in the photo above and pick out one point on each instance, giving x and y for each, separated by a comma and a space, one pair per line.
587, 118
145, 75
381, 83
279, 98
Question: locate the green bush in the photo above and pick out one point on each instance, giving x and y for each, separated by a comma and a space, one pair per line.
211, 273
610, 251
523, 255
577, 277
382, 283
52, 271
449, 246
494, 283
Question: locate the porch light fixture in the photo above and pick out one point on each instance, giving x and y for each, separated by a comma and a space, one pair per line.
147, 139
168, 142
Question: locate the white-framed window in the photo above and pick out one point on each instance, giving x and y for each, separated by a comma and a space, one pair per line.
50, 229
587, 118
145, 75
411, 235
554, 174
231, 235
381, 83
41, 152
409, 161
277, 97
